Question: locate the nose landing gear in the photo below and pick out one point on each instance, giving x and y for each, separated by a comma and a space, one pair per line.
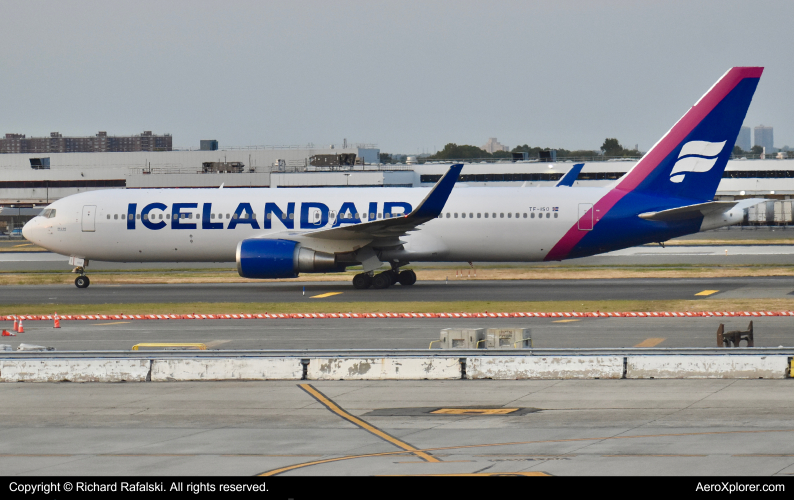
81, 281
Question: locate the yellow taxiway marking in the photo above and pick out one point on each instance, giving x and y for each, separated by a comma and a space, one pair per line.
474, 411
323, 399
106, 324
324, 295
515, 443
565, 321
216, 343
24, 245
707, 292
651, 342
474, 474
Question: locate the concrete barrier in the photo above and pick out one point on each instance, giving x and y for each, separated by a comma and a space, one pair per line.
542, 367
74, 370
173, 370
707, 367
384, 369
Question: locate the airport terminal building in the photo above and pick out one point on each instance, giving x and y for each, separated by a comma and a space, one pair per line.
29, 181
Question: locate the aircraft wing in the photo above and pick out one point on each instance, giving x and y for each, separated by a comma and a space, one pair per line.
700, 210
430, 208
570, 176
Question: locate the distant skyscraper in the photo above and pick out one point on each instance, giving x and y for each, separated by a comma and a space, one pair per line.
743, 141
763, 137
493, 145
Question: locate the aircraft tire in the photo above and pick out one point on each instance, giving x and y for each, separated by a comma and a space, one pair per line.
394, 276
362, 281
82, 282
381, 281
407, 278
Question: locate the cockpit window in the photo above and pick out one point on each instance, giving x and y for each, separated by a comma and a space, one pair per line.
48, 213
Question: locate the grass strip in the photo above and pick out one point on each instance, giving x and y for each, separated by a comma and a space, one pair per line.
399, 307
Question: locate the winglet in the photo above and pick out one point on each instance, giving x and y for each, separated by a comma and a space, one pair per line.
569, 178
434, 202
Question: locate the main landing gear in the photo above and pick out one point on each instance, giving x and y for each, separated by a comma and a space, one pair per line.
384, 279
81, 281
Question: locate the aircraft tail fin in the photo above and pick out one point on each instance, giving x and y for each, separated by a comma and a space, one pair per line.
689, 160
570, 176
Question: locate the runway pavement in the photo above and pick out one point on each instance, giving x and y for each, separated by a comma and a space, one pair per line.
454, 290
587, 427
393, 333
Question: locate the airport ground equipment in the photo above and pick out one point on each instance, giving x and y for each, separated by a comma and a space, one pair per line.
508, 338
463, 338
734, 338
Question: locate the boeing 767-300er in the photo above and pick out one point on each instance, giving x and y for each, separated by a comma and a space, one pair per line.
278, 233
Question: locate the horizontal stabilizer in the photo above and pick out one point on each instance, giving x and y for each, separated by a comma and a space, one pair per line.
700, 210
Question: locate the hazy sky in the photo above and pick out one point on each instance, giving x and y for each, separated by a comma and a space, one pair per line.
408, 76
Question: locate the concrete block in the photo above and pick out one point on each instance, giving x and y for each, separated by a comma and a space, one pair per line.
544, 367
384, 369
74, 370
707, 367
171, 370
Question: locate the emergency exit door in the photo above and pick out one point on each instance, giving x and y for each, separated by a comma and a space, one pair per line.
585, 216
89, 214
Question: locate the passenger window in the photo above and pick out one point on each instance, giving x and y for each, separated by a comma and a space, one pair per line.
387, 215
212, 216
167, 216
463, 215
357, 216
525, 215
160, 217
501, 216
253, 216
234, 216
486, 215
456, 215
555, 215
291, 216
190, 215
145, 216
532, 215
548, 214
108, 216
449, 215
471, 216
509, 215
122, 216
494, 215
283, 216
518, 215
198, 216
478, 215
379, 216
371, 216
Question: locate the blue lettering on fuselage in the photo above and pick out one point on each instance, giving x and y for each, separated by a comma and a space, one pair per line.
145, 216
243, 215
176, 216
313, 215
310, 220
288, 219
206, 218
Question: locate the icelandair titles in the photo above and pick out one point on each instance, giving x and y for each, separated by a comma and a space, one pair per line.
312, 215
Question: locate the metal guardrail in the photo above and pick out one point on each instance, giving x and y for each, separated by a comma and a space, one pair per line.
424, 353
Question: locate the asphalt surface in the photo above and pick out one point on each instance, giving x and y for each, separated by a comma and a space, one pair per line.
392, 333
585, 427
423, 291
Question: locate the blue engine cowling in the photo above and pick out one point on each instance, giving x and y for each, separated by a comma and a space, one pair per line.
275, 259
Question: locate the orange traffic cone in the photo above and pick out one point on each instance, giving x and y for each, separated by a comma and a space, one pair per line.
16, 324
6, 333
20, 328
57, 321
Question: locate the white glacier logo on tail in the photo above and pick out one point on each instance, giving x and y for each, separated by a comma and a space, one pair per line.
696, 156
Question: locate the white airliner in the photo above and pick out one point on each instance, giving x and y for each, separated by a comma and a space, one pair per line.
278, 233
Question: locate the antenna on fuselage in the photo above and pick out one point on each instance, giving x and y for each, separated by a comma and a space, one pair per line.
222, 183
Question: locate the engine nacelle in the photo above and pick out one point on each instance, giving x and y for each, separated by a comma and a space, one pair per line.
274, 259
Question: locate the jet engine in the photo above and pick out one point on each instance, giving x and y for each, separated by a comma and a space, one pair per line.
273, 259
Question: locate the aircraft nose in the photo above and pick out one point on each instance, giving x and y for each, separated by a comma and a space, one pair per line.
29, 230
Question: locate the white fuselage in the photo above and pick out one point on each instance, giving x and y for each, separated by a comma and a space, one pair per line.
477, 224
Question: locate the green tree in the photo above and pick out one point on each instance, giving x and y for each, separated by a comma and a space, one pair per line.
737, 151
612, 147
757, 150
454, 152
385, 158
